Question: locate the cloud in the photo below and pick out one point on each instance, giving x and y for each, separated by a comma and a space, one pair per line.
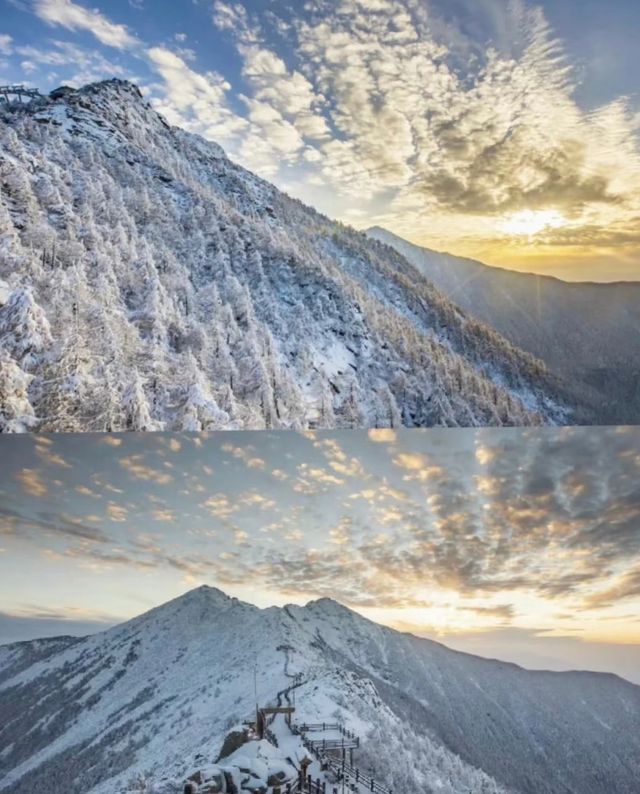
396, 107
419, 467
31, 482
45, 623
488, 524
382, 435
76, 17
88, 65
623, 587
254, 499
478, 132
234, 18
84, 491
555, 514
410, 461
535, 649
163, 515
318, 475
137, 468
220, 505
13, 522
117, 512
283, 106
338, 460
47, 455
193, 100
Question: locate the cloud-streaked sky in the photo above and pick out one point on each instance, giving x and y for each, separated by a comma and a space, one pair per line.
499, 129
521, 544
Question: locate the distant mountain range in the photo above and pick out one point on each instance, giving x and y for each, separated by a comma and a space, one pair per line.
147, 282
588, 334
150, 697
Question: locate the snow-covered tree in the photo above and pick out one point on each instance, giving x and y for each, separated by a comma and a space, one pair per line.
16, 412
24, 329
199, 410
137, 415
142, 262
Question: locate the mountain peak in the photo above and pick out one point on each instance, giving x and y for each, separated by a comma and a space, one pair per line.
195, 255
373, 230
195, 607
113, 85
206, 594
328, 606
176, 679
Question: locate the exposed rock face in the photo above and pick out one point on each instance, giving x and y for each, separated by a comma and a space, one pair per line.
231, 743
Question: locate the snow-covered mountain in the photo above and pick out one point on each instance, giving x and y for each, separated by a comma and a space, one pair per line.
587, 333
150, 699
148, 282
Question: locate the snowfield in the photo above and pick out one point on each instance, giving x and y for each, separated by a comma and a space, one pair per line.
147, 282
144, 705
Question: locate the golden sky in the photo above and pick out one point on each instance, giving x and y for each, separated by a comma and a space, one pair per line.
476, 128
447, 533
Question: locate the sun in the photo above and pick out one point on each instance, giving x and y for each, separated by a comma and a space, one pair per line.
528, 223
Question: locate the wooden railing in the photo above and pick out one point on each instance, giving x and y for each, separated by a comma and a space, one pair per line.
353, 774
334, 744
18, 90
320, 726
299, 786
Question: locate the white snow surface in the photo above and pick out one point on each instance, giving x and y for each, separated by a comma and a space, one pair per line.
153, 699
154, 284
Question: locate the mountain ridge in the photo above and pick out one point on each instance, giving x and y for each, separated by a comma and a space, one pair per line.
325, 605
201, 297
378, 232
148, 696
586, 332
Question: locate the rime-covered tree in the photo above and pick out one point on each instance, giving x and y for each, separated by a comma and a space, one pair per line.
226, 301
16, 412
24, 328
199, 410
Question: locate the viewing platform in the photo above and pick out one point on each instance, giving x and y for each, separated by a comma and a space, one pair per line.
19, 91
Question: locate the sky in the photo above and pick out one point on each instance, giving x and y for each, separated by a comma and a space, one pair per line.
501, 130
520, 544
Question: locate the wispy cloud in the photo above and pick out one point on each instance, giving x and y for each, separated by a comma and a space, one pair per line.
478, 132
6, 44
31, 482
484, 528
137, 467
76, 17
392, 112
17, 522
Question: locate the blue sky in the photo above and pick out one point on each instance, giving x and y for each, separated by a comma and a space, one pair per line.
497, 129
521, 544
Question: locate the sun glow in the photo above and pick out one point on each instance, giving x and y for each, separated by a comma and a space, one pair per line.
530, 222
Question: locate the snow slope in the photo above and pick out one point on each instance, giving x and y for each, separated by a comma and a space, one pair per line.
587, 333
152, 283
144, 699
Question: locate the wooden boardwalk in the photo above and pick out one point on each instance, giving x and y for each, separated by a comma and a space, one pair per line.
19, 91
353, 775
